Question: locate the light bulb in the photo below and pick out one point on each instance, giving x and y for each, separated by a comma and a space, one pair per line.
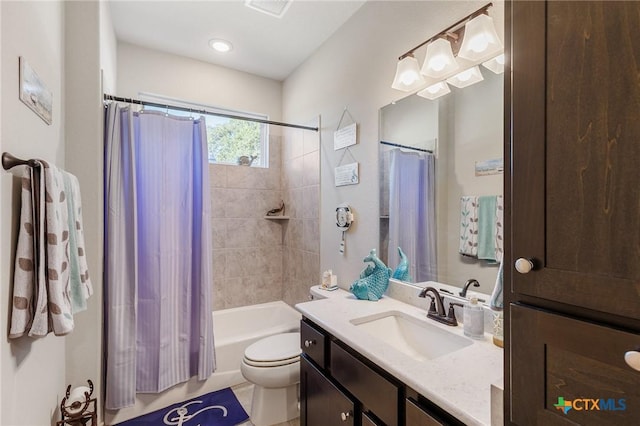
408, 77
438, 62
465, 75
435, 88
478, 43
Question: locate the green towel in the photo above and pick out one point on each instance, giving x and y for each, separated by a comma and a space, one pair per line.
487, 227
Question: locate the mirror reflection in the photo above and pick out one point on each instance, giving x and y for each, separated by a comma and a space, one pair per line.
439, 159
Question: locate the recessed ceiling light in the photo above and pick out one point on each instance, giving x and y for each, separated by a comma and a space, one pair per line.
220, 45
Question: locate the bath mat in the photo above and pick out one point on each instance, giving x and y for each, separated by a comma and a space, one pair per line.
220, 408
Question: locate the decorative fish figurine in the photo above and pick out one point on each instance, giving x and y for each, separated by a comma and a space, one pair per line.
245, 160
402, 270
373, 281
278, 211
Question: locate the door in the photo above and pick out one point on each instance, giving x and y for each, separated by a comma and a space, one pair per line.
575, 172
571, 372
322, 403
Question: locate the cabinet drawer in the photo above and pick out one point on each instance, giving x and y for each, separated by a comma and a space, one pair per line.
374, 391
322, 403
313, 343
416, 416
366, 421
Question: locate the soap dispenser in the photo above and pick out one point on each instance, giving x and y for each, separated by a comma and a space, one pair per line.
473, 318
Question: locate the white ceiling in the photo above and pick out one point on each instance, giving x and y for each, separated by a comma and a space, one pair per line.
263, 45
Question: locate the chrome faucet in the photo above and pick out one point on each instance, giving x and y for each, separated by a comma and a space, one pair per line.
473, 281
436, 309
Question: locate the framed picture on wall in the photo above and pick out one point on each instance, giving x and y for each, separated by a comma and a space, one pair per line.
33, 92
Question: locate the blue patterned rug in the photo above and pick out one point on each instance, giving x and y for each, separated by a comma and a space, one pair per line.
220, 408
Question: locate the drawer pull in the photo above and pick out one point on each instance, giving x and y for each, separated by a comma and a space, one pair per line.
345, 416
632, 358
309, 343
524, 265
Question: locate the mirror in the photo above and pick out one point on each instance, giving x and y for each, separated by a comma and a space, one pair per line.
448, 141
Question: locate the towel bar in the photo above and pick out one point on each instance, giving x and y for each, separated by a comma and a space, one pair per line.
10, 161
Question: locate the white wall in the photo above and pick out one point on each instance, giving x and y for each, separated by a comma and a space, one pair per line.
472, 129
354, 69
108, 49
151, 71
83, 129
33, 370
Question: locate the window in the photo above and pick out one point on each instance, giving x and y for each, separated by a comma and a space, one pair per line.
228, 138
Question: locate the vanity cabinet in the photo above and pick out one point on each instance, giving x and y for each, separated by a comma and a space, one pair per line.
339, 386
322, 402
572, 209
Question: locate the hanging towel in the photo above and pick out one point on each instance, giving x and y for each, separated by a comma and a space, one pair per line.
469, 225
80, 284
499, 237
29, 279
41, 302
487, 227
53, 313
496, 303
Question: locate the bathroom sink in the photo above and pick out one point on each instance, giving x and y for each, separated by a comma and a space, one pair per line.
414, 337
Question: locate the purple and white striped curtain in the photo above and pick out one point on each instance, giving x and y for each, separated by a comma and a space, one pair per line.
412, 213
158, 323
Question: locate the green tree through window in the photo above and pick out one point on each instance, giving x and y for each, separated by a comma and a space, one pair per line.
233, 139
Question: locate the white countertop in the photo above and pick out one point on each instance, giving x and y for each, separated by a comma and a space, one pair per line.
459, 382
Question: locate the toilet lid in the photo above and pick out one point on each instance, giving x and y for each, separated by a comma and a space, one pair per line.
277, 349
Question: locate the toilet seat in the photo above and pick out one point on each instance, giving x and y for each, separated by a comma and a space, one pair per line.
274, 351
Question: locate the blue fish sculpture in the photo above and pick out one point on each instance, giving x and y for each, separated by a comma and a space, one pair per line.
373, 281
402, 271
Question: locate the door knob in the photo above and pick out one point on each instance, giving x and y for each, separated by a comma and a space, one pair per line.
345, 416
308, 343
524, 265
632, 358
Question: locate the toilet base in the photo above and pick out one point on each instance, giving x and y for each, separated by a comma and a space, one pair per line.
271, 406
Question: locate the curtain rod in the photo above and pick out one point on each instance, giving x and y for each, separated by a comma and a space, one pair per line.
397, 145
204, 111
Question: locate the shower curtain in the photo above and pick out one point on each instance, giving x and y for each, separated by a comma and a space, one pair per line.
158, 329
412, 213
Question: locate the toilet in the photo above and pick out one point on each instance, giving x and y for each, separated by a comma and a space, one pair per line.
272, 364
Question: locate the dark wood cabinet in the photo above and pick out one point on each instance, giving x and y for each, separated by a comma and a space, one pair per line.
561, 360
572, 133
416, 416
322, 403
575, 104
341, 387
374, 391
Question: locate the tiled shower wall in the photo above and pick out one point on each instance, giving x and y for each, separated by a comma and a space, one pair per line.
247, 249
301, 191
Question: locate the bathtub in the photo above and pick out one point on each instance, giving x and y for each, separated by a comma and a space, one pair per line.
233, 331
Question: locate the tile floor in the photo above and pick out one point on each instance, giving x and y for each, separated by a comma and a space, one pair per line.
244, 392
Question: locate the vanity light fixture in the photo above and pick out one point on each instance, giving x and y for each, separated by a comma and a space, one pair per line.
435, 90
473, 37
408, 76
480, 39
496, 64
219, 45
466, 78
439, 61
